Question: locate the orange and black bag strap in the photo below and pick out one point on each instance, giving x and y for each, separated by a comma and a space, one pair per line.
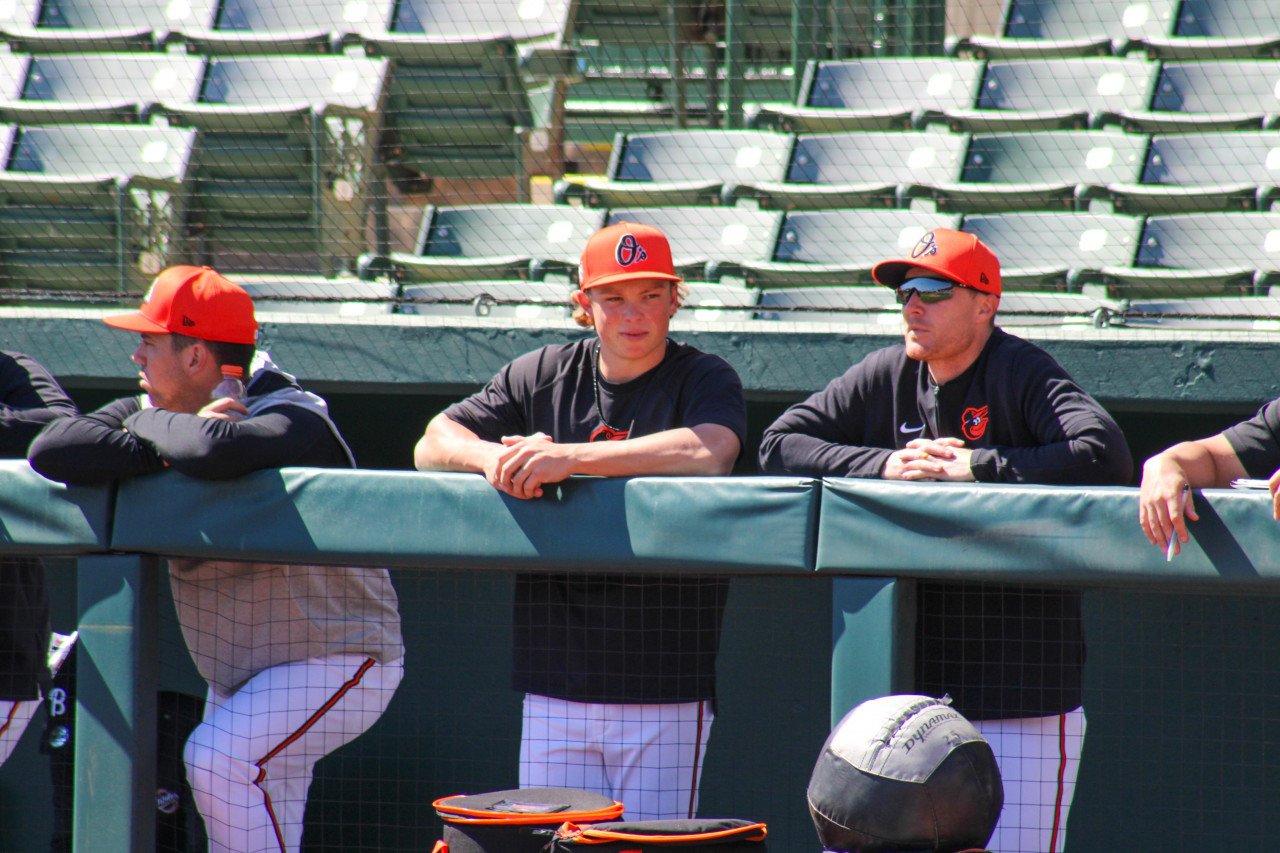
595, 835
460, 815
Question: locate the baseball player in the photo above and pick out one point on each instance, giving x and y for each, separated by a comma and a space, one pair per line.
1248, 449
618, 671
299, 659
30, 398
962, 400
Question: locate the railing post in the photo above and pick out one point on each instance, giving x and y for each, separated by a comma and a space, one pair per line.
116, 669
872, 640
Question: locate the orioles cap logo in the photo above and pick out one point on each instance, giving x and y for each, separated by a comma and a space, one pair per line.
973, 423
606, 433
928, 245
629, 251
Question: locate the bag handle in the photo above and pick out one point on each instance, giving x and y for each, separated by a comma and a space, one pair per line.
591, 835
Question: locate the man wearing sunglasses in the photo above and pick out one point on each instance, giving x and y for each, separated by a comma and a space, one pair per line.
962, 400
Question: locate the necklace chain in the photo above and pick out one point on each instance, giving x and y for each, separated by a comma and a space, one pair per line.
595, 377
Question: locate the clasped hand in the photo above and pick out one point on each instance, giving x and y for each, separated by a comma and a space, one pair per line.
526, 462
930, 459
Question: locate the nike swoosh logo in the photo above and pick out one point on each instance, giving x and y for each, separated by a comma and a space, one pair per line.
908, 430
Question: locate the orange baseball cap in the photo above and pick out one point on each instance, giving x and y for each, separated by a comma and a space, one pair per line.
953, 255
193, 301
626, 251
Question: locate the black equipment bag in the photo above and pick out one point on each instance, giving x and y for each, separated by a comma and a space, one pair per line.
725, 835
517, 821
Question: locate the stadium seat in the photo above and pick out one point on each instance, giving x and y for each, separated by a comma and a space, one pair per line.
1055, 94
1235, 170
1056, 251
682, 167
91, 207
265, 27
301, 294
284, 160
519, 300
699, 234
1046, 29
493, 241
1045, 170
93, 88
1220, 29
1204, 96
90, 26
1245, 313
830, 247
1202, 254
876, 94
859, 169
716, 302
13, 71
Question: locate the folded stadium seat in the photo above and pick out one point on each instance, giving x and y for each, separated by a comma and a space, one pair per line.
682, 167
876, 305
1056, 251
302, 294
284, 160
92, 207
715, 302
830, 247
1204, 96
459, 106
876, 94
701, 235
240, 27
92, 88
1245, 313
493, 241
1201, 254
13, 72
1055, 94
1045, 170
1235, 170
1046, 29
88, 26
859, 169
519, 300
1220, 29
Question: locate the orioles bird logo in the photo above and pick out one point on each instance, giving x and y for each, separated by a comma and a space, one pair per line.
607, 433
928, 245
629, 251
973, 423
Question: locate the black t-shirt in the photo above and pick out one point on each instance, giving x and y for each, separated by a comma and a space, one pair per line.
1257, 441
613, 637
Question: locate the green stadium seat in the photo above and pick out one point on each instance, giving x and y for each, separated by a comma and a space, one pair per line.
1233, 170
1055, 94
716, 302
241, 27
830, 247
699, 235
302, 294
1044, 170
493, 241
876, 94
1208, 313
526, 301
859, 169
93, 88
89, 26
682, 167
92, 207
1056, 251
1047, 29
1220, 29
1211, 95
1202, 254
285, 158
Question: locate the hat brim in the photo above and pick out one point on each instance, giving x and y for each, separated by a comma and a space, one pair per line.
893, 273
631, 276
136, 322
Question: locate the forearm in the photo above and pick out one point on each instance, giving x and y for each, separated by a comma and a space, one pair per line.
805, 455
449, 446
18, 427
1204, 464
91, 449
1084, 460
704, 450
216, 449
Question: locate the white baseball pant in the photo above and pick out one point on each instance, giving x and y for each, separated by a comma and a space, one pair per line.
1039, 758
250, 761
647, 757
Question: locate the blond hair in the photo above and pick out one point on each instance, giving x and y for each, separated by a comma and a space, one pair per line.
582, 318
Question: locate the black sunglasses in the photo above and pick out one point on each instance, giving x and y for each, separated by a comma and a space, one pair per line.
930, 290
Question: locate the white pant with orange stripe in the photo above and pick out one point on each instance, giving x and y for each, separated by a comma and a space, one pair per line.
647, 757
1039, 758
250, 761
14, 717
